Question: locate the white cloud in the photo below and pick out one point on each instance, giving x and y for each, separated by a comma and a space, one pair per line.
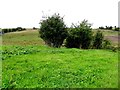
27, 13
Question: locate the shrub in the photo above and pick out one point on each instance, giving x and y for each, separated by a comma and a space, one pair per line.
19, 28
4, 30
53, 30
34, 28
23, 28
106, 44
101, 28
98, 39
14, 29
73, 39
106, 27
80, 36
10, 30
117, 29
110, 27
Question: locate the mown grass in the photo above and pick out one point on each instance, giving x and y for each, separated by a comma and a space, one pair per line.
28, 63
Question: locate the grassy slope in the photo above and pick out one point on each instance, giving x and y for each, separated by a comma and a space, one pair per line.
29, 37
40, 66
61, 68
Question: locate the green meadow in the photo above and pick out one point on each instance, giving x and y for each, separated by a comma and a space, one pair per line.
28, 63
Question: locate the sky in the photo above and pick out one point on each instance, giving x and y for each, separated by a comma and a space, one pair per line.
28, 13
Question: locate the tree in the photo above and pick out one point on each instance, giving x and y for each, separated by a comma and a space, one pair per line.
53, 30
80, 36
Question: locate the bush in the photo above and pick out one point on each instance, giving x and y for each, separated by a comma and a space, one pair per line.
23, 28
117, 29
4, 30
19, 28
110, 27
101, 28
34, 28
80, 36
98, 39
53, 30
73, 39
106, 44
14, 29
9, 30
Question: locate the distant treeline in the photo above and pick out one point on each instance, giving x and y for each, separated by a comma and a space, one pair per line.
110, 28
7, 30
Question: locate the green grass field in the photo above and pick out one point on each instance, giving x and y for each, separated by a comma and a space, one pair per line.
28, 63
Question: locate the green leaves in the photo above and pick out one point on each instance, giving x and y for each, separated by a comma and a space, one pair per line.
98, 39
79, 36
53, 31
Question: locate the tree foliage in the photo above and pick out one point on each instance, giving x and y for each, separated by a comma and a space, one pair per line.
53, 30
80, 36
98, 39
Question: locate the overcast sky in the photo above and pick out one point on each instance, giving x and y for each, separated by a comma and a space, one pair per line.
28, 13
